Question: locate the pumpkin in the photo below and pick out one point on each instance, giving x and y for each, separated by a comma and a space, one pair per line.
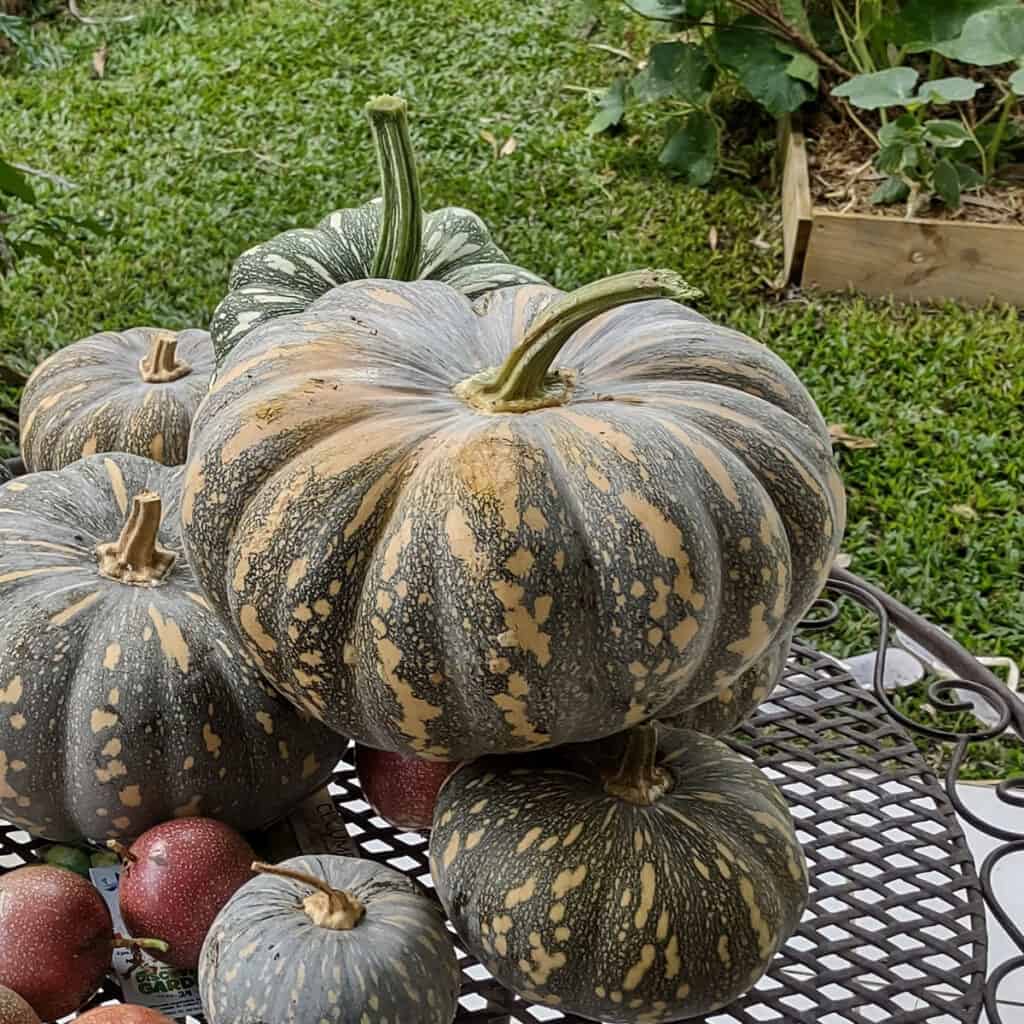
123, 701
441, 558
329, 938
389, 237
644, 878
14, 1009
117, 391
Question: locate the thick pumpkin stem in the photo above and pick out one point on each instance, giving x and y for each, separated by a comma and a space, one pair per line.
161, 364
327, 907
401, 225
158, 944
525, 381
136, 557
639, 778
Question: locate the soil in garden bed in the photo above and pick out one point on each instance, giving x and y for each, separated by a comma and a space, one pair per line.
843, 178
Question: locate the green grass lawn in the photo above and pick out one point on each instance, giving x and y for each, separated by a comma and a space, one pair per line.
219, 123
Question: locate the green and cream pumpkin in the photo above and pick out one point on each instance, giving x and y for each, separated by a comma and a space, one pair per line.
329, 939
648, 877
123, 701
443, 560
389, 237
118, 391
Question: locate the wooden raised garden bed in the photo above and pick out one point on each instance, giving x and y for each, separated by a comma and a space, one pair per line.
910, 258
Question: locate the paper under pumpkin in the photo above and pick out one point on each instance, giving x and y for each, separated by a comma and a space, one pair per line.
123, 701
118, 391
442, 558
389, 237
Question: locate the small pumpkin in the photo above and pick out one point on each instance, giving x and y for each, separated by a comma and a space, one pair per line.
123, 701
118, 391
443, 558
14, 1009
389, 237
329, 938
648, 877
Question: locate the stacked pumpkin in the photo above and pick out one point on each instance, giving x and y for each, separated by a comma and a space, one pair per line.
443, 508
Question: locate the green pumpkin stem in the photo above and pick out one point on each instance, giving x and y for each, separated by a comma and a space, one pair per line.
136, 557
639, 779
161, 364
401, 224
327, 907
525, 380
158, 944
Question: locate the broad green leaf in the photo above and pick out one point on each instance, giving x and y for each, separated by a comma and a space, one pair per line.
946, 133
947, 183
14, 183
892, 190
693, 149
900, 129
795, 13
948, 90
745, 48
969, 176
805, 69
989, 37
610, 108
920, 24
42, 252
889, 88
889, 158
681, 70
1017, 81
910, 158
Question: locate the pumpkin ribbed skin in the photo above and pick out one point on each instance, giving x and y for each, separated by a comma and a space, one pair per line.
265, 962
436, 580
124, 705
289, 272
92, 397
612, 910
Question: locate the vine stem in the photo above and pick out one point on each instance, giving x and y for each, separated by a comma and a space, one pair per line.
401, 227
639, 779
327, 907
161, 364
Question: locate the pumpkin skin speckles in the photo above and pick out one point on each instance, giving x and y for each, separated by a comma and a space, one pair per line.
267, 961
125, 704
487, 599
105, 393
617, 929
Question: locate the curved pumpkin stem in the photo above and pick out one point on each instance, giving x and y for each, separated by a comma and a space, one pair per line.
639, 779
158, 944
161, 364
524, 381
136, 557
327, 907
401, 226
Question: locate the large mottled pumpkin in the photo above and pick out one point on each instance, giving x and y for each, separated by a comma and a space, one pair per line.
329, 939
440, 558
389, 237
648, 877
123, 701
119, 391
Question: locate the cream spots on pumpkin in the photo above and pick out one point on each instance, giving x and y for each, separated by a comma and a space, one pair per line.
117, 485
573, 834
723, 950
123, 822
113, 696
559, 560
18, 721
745, 544
20, 574
647, 889
322, 608
598, 479
659, 606
394, 549
249, 619
130, 796
668, 540
101, 719
711, 463
759, 634
566, 881
415, 711
462, 542
266, 721
65, 616
12, 692
782, 596
89, 448
473, 838
626, 898
451, 851
521, 893
636, 973
545, 963
637, 589
211, 739
556, 913
296, 573
156, 448
765, 939
536, 521
683, 991
523, 626
529, 839
302, 612
520, 563
194, 484
608, 435
189, 763
112, 656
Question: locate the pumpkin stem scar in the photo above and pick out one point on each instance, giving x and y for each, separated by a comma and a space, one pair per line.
327, 907
639, 779
122, 851
135, 557
525, 381
161, 364
158, 944
401, 225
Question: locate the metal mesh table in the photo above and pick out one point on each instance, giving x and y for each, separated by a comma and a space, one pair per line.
895, 928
